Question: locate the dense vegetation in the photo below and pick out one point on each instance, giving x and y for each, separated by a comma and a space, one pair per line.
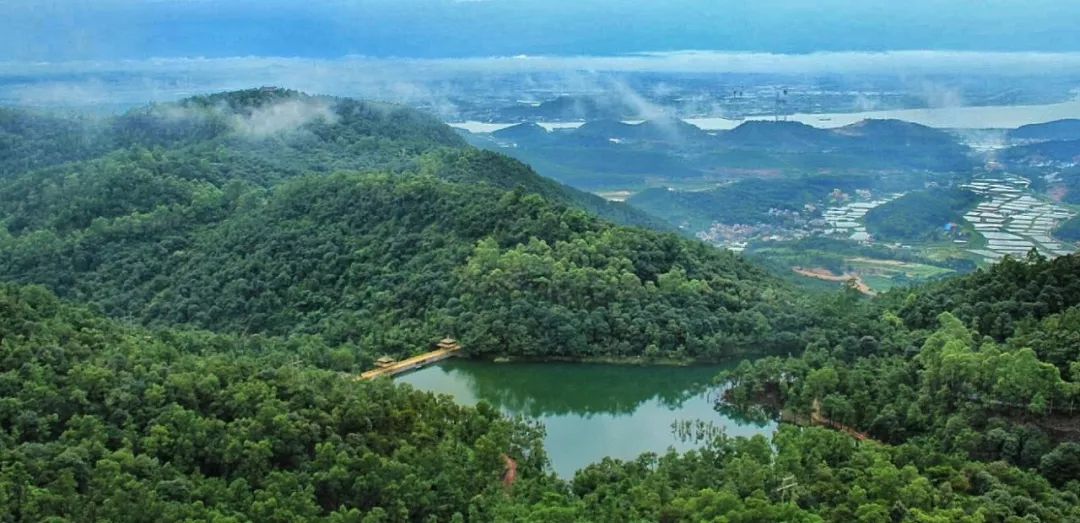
994, 301
744, 201
262, 136
503, 172
390, 263
30, 140
888, 145
447, 242
100, 422
226, 263
982, 367
920, 215
133, 425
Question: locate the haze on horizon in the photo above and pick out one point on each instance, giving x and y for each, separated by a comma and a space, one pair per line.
68, 30
117, 54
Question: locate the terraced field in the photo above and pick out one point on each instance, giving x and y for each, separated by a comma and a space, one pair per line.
1013, 221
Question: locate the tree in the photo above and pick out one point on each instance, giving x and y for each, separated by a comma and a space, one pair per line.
1062, 464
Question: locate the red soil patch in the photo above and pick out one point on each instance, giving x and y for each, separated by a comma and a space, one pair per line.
510, 474
824, 274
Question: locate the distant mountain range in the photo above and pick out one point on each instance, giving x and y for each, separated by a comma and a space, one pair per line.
611, 152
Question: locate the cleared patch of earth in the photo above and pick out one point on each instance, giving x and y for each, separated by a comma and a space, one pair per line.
827, 275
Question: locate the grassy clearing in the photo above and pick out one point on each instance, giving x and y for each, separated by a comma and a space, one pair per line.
890, 268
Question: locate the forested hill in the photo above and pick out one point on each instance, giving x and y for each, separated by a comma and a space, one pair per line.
391, 262
310, 132
29, 140
920, 215
202, 230
1067, 129
1040, 152
266, 135
105, 422
997, 301
224, 276
982, 366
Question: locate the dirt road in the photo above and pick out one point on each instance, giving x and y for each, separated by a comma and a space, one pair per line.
824, 274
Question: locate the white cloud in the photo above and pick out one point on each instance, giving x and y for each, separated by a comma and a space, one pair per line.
675, 61
284, 116
427, 82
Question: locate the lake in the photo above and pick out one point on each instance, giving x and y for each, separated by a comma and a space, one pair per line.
591, 410
969, 117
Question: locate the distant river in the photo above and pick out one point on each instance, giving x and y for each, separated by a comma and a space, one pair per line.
981, 117
591, 410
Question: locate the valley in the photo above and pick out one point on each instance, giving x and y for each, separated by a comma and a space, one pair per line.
191, 291
522, 261
696, 180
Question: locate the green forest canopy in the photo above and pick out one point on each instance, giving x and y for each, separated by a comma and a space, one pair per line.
920, 215
207, 234
222, 270
983, 366
101, 421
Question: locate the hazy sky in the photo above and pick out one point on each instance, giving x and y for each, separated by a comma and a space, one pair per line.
60, 30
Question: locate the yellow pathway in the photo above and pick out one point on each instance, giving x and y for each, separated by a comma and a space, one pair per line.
410, 363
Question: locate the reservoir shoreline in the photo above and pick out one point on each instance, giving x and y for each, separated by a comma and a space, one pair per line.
594, 410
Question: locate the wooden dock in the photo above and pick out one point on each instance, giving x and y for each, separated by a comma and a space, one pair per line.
447, 348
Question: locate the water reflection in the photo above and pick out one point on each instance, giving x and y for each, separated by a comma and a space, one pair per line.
592, 411
536, 390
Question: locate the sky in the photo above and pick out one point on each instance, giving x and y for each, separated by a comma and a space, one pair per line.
123, 52
70, 30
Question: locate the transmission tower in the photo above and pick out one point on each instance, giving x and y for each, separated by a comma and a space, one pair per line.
780, 104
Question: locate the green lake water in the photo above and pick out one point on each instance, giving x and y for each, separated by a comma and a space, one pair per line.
591, 410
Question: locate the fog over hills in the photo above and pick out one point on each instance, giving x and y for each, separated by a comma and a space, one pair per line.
387, 261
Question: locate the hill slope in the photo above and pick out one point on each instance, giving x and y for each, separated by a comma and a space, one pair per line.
778, 136
102, 421
272, 134
1065, 151
391, 261
750, 200
462, 242
967, 366
608, 154
919, 215
1067, 129
30, 140
228, 222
